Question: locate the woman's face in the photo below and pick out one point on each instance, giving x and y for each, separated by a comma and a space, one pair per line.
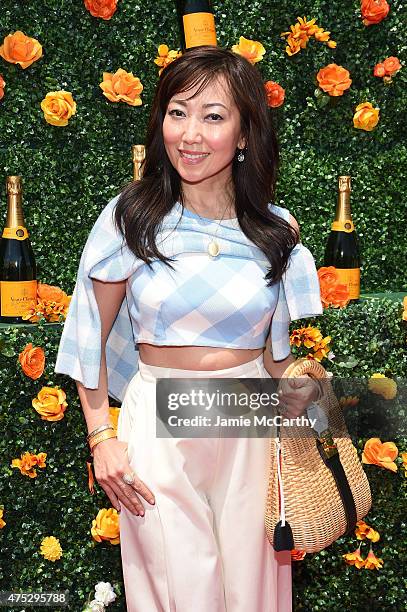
201, 134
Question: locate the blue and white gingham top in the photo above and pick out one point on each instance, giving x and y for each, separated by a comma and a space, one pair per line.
222, 301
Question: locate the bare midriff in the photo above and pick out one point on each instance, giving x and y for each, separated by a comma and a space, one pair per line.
195, 357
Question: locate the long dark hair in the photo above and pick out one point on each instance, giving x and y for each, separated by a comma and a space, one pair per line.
143, 204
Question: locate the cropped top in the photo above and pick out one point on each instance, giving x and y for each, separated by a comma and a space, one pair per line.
204, 301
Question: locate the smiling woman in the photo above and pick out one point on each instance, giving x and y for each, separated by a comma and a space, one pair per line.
191, 272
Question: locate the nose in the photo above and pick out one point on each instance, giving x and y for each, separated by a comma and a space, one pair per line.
192, 130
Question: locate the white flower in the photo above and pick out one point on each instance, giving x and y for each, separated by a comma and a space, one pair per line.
331, 356
94, 606
104, 593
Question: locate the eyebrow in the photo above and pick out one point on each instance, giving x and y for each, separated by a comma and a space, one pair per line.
184, 103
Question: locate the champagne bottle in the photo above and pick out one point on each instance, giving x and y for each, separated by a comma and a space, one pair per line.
342, 250
197, 23
138, 156
18, 284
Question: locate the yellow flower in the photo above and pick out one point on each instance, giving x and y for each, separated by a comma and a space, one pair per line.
404, 460
165, 57
363, 531
252, 50
405, 308
2, 523
380, 453
373, 562
58, 107
50, 403
114, 416
322, 348
28, 463
354, 558
51, 548
381, 385
366, 117
309, 336
105, 527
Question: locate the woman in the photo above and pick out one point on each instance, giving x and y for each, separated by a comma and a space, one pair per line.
192, 509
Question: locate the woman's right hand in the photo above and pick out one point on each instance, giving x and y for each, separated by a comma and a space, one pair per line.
110, 462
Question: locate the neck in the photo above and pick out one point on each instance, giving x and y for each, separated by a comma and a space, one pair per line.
213, 204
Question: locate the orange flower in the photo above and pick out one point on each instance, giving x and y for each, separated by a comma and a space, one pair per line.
405, 308
374, 11
20, 49
275, 94
334, 79
332, 292
114, 416
404, 460
381, 385
297, 555
380, 453
354, 558
373, 562
348, 401
379, 70
122, 86
308, 336
165, 57
252, 50
51, 303
2, 523
50, 403
28, 462
58, 107
391, 65
363, 531
101, 8
105, 527
2, 86
51, 293
32, 360
366, 117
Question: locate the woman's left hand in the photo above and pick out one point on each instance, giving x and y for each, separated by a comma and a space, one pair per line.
296, 394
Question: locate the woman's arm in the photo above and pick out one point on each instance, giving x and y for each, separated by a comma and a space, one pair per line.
95, 402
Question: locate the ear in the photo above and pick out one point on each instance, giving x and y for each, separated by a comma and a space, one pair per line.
241, 142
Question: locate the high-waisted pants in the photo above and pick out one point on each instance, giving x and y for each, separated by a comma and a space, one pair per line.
202, 547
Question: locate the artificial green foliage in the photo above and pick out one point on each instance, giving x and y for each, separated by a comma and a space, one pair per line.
69, 173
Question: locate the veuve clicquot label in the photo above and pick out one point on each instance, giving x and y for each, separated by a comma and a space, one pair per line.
18, 284
342, 249
198, 23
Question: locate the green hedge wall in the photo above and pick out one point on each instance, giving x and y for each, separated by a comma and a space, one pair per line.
70, 173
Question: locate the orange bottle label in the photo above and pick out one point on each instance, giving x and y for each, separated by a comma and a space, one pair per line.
351, 278
16, 297
199, 29
18, 233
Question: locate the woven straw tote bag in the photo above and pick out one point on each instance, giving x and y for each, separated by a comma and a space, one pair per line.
317, 487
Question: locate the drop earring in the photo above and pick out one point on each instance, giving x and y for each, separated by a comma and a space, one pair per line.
240, 157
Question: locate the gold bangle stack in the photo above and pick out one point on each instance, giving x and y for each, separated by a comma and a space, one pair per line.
101, 433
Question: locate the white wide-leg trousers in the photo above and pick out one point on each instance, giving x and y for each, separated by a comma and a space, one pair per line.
203, 546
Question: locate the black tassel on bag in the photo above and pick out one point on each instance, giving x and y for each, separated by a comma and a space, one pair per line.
283, 537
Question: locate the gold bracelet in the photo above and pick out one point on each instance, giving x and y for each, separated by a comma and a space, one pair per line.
98, 429
104, 435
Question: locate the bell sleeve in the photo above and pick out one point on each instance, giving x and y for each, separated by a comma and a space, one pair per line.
105, 257
298, 296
